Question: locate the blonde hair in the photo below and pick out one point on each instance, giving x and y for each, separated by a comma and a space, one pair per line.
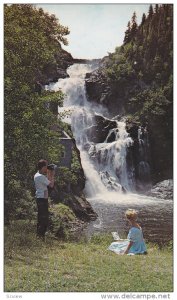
131, 214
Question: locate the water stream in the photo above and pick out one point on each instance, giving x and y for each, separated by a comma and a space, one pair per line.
108, 176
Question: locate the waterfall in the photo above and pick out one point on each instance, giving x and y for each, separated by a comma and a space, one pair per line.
115, 165
103, 152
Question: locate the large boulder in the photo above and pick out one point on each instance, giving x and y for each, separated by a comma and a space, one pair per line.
77, 203
63, 223
81, 207
100, 91
163, 190
96, 87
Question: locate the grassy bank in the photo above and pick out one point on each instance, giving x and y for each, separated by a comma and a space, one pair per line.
85, 266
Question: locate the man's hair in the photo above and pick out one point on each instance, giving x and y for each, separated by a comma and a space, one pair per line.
42, 163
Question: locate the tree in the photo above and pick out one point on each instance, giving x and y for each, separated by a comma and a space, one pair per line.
127, 37
40, 37
143, 20
151, 12
31, 41
134, 25
156, 8
131, 29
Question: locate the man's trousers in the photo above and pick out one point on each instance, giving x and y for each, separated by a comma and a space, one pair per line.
43, 216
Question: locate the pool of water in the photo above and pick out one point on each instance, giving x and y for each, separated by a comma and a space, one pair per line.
155, 216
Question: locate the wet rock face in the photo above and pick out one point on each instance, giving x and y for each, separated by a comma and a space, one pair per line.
139, 154
96, 87
98, 90
101, 89
99, 130
163, 190
132, 129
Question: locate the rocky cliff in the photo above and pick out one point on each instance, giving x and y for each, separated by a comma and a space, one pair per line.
54, 71
100, 91
115, 98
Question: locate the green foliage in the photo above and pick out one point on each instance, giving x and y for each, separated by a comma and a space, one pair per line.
119, 71
63, 178
76, 169
32, 41
71, 177
21, 204
104, 239
38, 34
151, 45
149, 103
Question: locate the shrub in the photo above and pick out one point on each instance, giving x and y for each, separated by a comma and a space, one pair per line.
60, 220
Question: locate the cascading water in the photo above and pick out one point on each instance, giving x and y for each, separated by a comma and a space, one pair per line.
110, 180
112, 160
104, 163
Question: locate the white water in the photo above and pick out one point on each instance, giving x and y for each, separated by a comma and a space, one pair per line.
109, 172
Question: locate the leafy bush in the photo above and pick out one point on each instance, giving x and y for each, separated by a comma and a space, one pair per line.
20, 203
60, 220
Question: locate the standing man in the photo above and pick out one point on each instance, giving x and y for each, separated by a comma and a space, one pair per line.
41, 184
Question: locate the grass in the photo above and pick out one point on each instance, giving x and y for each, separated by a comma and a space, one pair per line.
85, 266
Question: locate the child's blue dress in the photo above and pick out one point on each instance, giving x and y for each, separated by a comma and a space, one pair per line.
136, 236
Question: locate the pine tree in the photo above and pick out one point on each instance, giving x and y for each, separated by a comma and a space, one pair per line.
143, 20
127, 37
134, 25
151, 12
156, 8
